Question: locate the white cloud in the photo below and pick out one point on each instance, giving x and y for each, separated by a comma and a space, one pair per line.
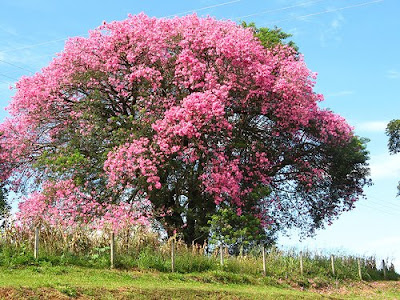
385, 166
337, 22
332, 31
8, 30
393, 74
294, 31
372, 126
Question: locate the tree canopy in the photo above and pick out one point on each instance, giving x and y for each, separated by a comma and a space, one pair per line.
179, 120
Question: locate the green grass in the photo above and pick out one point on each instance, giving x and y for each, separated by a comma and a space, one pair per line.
88, 283
107, 284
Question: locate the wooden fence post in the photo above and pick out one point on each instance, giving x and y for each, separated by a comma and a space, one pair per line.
333, 264
205, 248
301, 263
221, 254
112, 250
173, 254
264, 262
384, 269
359, 268
36, 243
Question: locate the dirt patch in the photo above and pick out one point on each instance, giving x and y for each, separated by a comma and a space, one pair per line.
122, 293
372, 290
28, 293
343, 290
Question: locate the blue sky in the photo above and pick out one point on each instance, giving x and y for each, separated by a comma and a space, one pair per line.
352, 44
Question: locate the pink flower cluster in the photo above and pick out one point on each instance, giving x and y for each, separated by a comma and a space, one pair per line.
132, 161
64, 204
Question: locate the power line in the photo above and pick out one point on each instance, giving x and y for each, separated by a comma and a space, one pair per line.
378, 209
394, 205
16, 66
384, 207
82, 35
203, 8
327, 11
5, 82
199, 9
379, 203
9, 77
387, 205
62, 39
212, 6
8, 31
278, 9
35, 45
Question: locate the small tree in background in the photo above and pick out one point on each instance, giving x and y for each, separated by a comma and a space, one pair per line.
393, 131
271, 37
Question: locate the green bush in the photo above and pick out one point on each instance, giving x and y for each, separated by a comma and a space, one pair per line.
188, 263
150, 260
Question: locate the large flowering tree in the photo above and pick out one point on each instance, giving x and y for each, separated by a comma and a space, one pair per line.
189, 116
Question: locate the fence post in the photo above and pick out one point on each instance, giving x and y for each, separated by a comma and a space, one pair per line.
301, 263
173, 254
384, 269
205, 248
112, 250
333, 264
221, 254
36, 243
264, 263
359, 268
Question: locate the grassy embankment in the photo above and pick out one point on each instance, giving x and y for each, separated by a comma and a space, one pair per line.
62, 282
80, 268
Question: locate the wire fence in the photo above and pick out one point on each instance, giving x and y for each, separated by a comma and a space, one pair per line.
138, 248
